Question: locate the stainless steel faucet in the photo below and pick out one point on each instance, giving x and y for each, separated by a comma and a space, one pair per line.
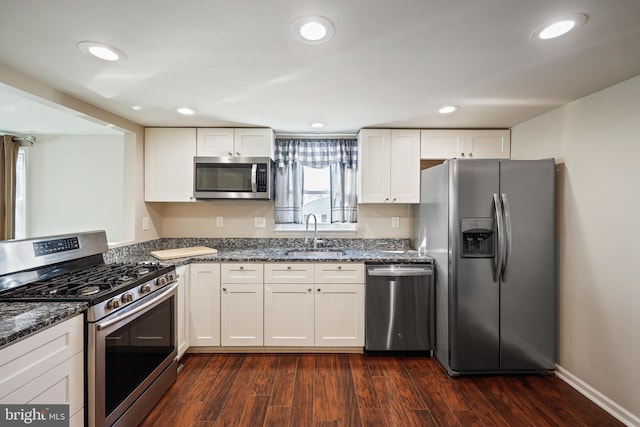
315, 231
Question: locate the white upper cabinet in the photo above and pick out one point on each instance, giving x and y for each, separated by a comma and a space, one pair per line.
238, 142
465, 143
389, 166
168, 164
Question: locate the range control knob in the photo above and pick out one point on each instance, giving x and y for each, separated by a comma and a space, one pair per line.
161, 281
114, 303
127, 297
171, 277
145, 289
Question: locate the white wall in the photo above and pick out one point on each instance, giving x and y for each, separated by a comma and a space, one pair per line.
76, 183
199, 220
596, 141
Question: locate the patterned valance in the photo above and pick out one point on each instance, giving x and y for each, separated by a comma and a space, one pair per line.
317, 153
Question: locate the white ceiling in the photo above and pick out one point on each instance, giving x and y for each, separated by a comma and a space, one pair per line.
389, 64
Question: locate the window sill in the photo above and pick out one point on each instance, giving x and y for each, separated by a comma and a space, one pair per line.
324, 228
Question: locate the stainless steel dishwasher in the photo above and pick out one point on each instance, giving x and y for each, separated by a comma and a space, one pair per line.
399, 307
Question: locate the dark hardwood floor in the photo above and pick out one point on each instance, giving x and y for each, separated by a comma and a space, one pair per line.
361, 390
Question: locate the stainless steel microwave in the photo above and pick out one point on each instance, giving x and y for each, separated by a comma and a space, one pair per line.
233, 178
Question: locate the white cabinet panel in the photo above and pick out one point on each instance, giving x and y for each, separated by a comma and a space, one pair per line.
339, 273
183, 309
238, 142
465, 143
339, 315
289, 273
241, 313
204, 304
389, 166
242, 273
168, 164
289, 314
214, 142
46, 368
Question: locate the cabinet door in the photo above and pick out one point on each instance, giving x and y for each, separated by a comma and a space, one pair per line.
183, 309
214, 142
204, 305
253, 142
405, 166
442, 144
288, 316
489, 144
241, 314
168, 164
373, 165
339, 315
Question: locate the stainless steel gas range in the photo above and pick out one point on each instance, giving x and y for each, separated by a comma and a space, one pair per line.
130, 342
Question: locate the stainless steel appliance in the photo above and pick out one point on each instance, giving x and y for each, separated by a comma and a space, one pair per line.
233, 178
399, 307
489, 225
131, 342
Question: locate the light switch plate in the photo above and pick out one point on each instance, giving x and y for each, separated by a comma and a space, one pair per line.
145, 223
219, 221
259, 222
395, 222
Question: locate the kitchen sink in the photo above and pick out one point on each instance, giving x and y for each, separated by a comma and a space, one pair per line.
324, 253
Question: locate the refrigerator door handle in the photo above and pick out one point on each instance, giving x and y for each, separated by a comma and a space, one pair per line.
497, 204
508, 240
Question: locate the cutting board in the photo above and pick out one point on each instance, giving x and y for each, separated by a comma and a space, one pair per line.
183, 252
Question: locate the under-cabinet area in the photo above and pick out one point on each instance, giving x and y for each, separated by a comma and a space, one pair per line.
256, 305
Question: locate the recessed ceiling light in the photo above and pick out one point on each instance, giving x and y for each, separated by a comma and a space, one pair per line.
312, 29
316, 125
448, 109
102, 51
185, 110
559, 27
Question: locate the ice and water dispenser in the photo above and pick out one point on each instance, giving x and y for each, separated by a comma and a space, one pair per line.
477, 237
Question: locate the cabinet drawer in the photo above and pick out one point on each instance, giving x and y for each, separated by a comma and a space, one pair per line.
288, 273
241, 273
339, 273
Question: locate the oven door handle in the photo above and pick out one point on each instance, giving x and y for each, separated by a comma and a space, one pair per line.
138, 309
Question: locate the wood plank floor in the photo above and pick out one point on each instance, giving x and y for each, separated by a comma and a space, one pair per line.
361, 390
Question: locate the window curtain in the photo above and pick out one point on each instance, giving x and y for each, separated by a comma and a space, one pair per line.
8, 159
291, 155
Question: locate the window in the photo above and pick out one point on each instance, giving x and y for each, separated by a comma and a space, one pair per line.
316, 194
21, 192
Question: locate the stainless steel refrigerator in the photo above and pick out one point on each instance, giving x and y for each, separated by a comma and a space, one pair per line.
490, 226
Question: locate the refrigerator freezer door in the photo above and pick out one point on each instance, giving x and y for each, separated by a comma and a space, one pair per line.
528, 291
474, 299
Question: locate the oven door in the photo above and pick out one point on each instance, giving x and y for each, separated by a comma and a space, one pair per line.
132, 360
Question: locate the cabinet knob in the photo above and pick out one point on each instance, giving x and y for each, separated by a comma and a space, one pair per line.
237, 153
319, 290
386, 200
224, 289
339, 267
462, 154
288, 267
394, 200
229, 153
309, 290
470, 154
241, 267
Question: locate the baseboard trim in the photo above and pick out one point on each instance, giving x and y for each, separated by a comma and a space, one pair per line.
617, 411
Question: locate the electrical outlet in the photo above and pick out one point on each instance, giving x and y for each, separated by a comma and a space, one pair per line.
395, 222
259, 222
219, 221
145, 223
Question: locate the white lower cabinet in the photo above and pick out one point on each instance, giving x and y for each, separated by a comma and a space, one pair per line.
314, 305
242, 304
183, 309
46, 368
204, 305
289, 304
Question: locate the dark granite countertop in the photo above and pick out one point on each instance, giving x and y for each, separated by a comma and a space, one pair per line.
20, 319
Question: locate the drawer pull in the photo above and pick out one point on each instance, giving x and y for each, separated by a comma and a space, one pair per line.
288, 267
339, 267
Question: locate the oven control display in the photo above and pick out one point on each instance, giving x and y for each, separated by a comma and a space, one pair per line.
55, 246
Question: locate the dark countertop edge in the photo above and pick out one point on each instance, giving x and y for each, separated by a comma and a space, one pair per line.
19, 320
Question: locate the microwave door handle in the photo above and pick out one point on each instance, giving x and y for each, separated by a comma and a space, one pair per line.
254, 178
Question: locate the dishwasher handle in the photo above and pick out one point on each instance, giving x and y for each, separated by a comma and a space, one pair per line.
399, 271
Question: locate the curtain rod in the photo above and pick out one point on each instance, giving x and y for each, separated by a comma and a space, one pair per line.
316, 135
